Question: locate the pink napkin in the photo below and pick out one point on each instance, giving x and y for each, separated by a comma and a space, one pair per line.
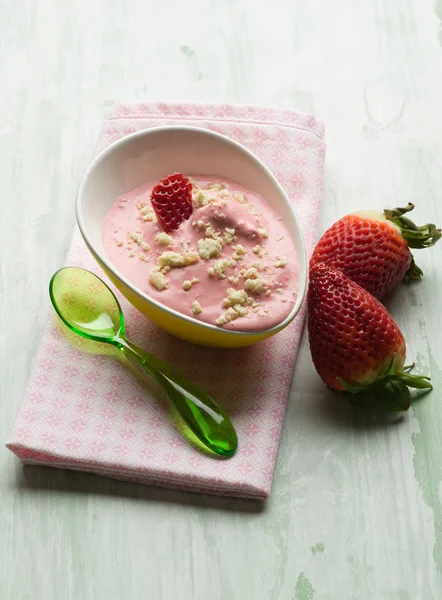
87, 411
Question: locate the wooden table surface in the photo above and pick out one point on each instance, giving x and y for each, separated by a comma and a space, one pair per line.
356, 509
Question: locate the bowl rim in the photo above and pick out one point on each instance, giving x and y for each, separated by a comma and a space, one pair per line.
127, 139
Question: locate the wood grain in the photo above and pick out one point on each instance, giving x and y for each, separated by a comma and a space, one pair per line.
356, 508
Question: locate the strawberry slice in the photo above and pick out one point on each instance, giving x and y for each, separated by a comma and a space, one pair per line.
172, 201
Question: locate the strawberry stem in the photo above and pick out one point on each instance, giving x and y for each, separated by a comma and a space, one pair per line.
416, 237
390, 390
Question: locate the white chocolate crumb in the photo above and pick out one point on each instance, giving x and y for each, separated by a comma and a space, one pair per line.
217, 187
147, 213
263, 233
202, 198
136, 236
119, 242
196, 307
175, 260
187, 284
158, 279
224, 193
238, 252
281, 262
229, 315
131, 254
232, 313
251, 273
220, 267
211, 271
229, 235
214, 235
257, 250
279, 238
283, 299
279, 291
164, 239
232, 263
240, 310
257, 286
235, 297
268, 292
239, 198
209, 248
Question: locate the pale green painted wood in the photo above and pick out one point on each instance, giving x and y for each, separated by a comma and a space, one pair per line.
356, 508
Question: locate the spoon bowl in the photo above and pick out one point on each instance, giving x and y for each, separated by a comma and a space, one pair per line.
86, 304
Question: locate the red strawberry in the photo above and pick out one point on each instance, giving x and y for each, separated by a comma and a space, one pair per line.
373, 248
172, 201
355, 344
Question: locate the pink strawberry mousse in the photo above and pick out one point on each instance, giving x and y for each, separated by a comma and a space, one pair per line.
232, 264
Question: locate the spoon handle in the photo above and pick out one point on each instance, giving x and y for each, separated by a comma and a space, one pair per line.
203, 416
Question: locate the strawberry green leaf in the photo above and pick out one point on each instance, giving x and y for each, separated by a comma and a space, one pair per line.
414, 272
418, 382
416, 237
390, 390
393, 395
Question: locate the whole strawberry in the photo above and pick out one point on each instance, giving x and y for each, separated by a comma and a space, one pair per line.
172, 201
355, 344
373, 249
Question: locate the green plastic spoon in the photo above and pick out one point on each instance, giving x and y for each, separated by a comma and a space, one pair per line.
87, 306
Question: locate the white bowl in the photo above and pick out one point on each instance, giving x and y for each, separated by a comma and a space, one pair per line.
151, 155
